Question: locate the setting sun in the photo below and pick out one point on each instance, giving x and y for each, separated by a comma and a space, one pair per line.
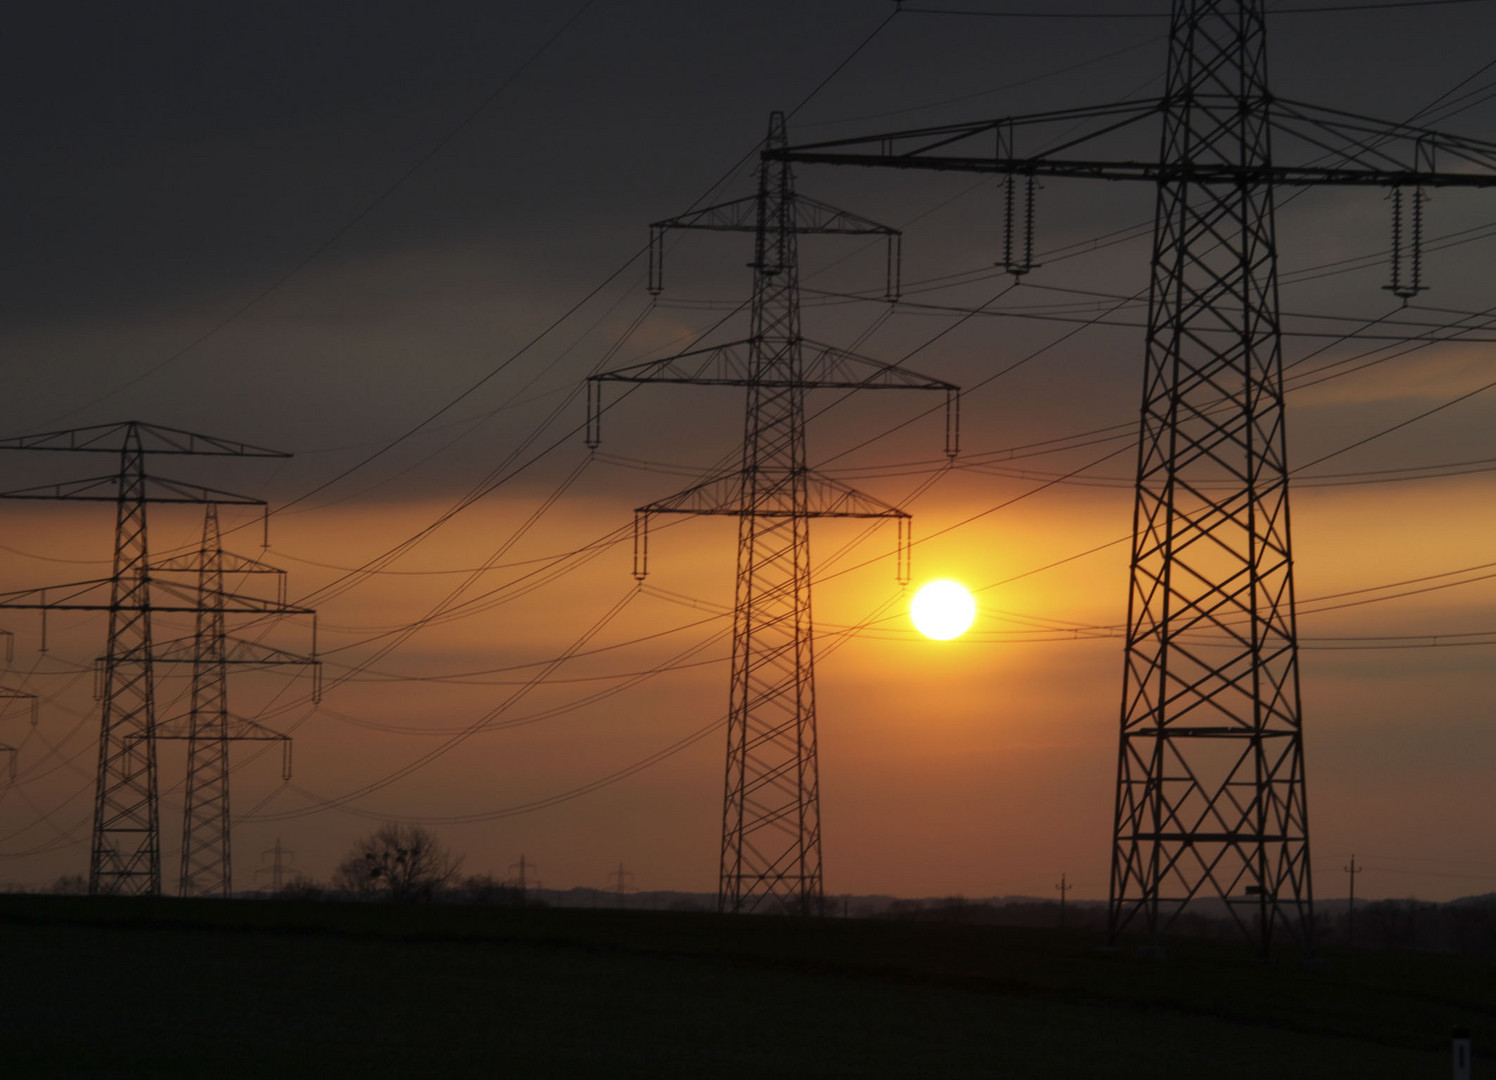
942, 610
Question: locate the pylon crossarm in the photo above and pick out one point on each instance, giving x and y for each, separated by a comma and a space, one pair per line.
1378, 154
736, 215
915, 143
724, 495
236, 728
825, 497
719, 365
721, 494
92, 489
801, 216
813, 216
1152, 172
1423, 143
185, 650
243, 651
823, 367
13, 694
228, 602
827, 367
106, 489
75, 595
175, 491
154, 439
192, 562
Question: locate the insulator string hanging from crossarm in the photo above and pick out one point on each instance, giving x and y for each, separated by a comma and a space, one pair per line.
1416, 255
1403, 289
1011, 263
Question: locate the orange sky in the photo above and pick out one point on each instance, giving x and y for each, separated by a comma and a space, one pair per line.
981, 766
321, 254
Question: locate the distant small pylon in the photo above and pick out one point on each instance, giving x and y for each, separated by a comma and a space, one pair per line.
521, 880
621, 879
1350, 907
277, 868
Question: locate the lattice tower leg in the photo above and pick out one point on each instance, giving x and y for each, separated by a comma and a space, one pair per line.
206, 864
126, 850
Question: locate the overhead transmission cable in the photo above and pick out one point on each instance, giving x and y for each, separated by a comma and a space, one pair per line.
484, 488
731, 172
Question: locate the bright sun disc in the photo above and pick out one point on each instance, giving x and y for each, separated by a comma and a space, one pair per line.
942, 610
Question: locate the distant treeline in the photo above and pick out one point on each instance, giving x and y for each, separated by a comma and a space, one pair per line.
1466, 926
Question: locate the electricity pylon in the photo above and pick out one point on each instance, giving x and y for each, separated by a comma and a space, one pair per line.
125, 854
771, 831
209, 727
1210, 784
277, 867
8, 693
620, 879
521, 880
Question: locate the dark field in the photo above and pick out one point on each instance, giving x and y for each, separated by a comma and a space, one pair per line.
137, 988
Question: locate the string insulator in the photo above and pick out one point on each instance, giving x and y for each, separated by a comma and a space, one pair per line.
1407, 288
1011, 262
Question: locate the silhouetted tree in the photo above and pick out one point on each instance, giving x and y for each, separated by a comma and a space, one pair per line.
485, 889
401, 863
299, 888
69, 885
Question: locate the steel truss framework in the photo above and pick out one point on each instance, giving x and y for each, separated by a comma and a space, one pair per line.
1210, 787
771, 832
13, 694
125, 854
209, 727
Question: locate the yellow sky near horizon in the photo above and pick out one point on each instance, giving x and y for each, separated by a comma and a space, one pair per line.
980, 766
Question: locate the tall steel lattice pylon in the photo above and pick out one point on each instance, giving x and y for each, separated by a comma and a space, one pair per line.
771, 827
1210, 786
125, 854
1210, 776
208, 727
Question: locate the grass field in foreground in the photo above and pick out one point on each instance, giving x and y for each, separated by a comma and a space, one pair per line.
253, 988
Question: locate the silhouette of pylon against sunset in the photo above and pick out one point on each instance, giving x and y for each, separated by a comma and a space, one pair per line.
9, 693
125, 853
621, 887
771, 831
1210, 796
208, 727
277, 867
521, 879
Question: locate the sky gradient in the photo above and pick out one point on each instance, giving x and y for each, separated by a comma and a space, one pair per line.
318, 231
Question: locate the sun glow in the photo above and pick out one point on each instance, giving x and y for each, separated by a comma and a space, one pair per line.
942, 610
